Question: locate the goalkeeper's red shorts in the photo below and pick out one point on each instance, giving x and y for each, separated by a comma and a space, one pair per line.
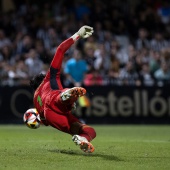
61, 122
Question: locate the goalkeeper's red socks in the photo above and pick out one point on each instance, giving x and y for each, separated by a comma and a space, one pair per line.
88, 132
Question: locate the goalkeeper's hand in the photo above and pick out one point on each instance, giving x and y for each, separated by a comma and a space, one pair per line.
85, 31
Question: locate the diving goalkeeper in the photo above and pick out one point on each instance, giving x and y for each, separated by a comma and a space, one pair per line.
54, 103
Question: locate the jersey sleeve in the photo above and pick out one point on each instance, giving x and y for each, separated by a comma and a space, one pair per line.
54, 71
58, 57
62, 48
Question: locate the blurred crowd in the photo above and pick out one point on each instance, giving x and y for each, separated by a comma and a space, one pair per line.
130, 44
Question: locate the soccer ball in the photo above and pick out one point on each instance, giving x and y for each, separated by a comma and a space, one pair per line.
32, 118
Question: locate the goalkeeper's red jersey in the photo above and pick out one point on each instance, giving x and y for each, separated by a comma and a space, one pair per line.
47, 97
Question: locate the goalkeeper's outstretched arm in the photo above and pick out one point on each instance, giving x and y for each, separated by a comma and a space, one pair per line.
83, 32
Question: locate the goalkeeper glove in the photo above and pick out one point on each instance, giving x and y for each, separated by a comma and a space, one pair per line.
85, 31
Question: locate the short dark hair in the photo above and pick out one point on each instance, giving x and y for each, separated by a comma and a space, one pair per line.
36, 81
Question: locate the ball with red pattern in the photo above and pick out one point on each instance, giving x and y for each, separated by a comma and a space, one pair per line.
32, 118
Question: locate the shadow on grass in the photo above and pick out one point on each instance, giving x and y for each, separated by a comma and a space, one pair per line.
77, 153
152, 157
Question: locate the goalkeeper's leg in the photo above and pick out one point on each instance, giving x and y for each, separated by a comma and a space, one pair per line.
83, 134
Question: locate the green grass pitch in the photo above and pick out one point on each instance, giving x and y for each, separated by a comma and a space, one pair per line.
122, 147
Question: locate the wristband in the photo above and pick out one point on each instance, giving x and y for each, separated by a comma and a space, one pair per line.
75, 37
